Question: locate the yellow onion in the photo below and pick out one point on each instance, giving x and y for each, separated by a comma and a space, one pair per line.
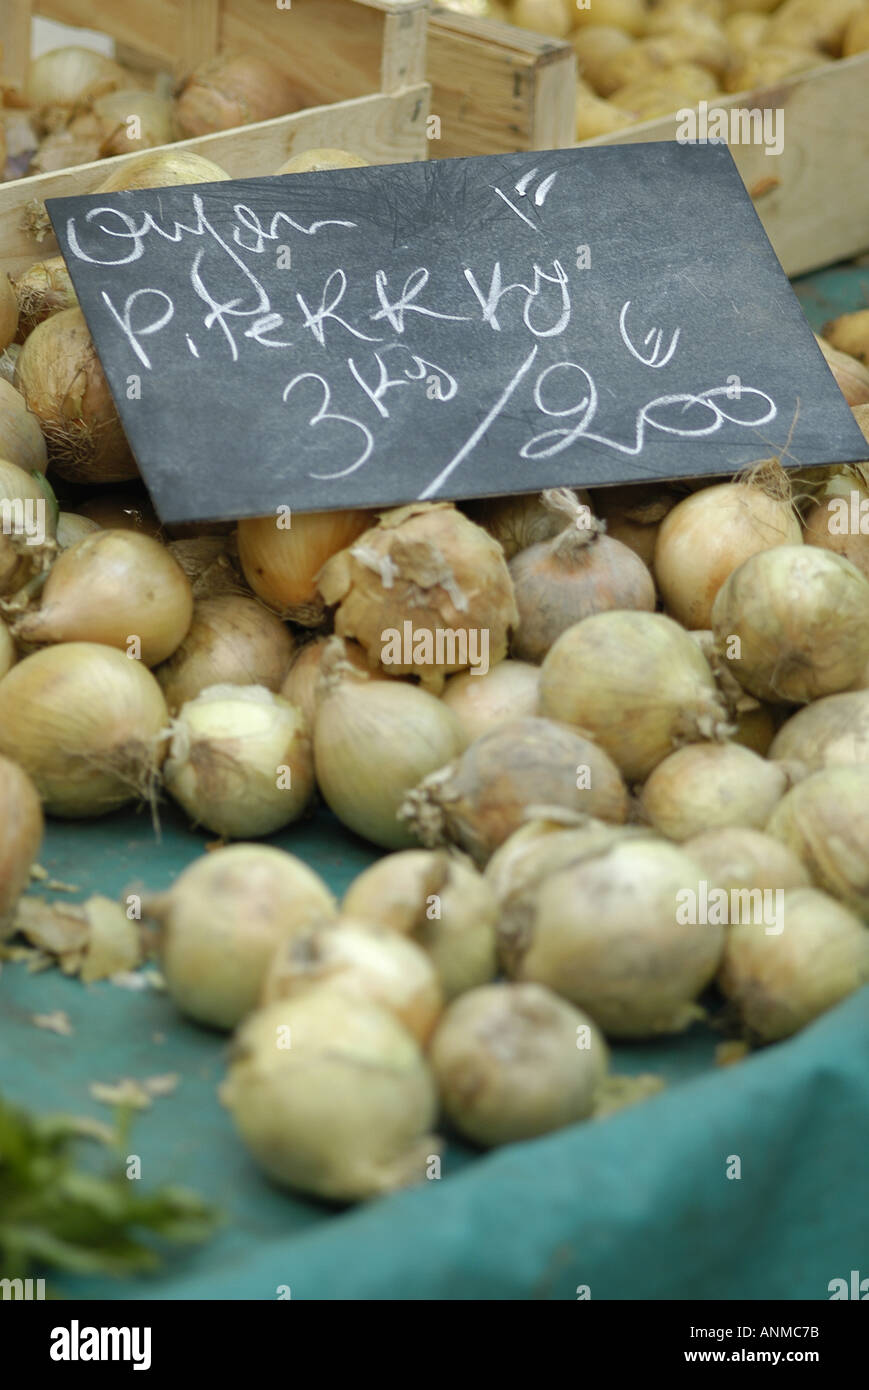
64, 149
707, 786
709, 534
579, 572
594, 45
230, 90
827, 733
440, 900
701, 37
823, 820
629, 15
43, 289
116, 113
806, 24
852, 378
596, 116
282, 556
59, 374
777, 984
744, 30
682, 84
633, 514
850, 333
162, 169
515, 1061
754, 722
856, 37
222, 921
87, 724
116, 587
517, 522
240, 761
66, 79
542, 17
425, 592
8, 311
606, 934
645, 59
301, 685
232, 640
768, 65
21, 439
364, 962
373, 742
793, 623
7, 650
485, 794
211, 565
836, 519
21, 829
322, 158
23, 554
637, 684
72, 528
738, 856
332, 1097
482, 703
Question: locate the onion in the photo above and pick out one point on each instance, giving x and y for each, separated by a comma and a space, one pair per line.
211, 565
740, 857
21, 439
425, 592
852, 378
7, 650
709, 535
60, 377
515, 1061
8, 359
24, 555
700, 37
364, 962
823, 820
606, 935
830, 732
779, 983
682, 84
442, 902
835, 521
8, 311
301, 685
579, 572
64, 149
222, 921
633, 514
596, 116
482, 797
320, 159
115, 587
87, 724
754, 723
542, 17
43, 289
232, 641
793, 623
67, 78
768, 65
240, 761
373, 742
232, 90
482, 703
281, 563
634, 682
21, 829
806, 24
162, 169
331, 1097
850, 333
744, 30
707, 786
594, 45
517, 522
72, 528
115, 113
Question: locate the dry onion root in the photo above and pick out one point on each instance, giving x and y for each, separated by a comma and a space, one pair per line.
515, 1061
477, 801
374, 741
21, 439
579, 572
59, 374
365, 962
230, 90
793, 623
777, 984
636, 684
708, 786
441, 901
240, 761
332, 1097
87, 724
709, 534
281, 562
427, 573
116, 587
739, 857
21, 829
823, 820
43, 289
605, 934
222, 921
482, 703
232, 640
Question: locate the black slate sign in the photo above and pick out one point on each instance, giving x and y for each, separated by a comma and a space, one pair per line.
448, 329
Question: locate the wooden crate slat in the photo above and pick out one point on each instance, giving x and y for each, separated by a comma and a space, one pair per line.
200, 32
15, 21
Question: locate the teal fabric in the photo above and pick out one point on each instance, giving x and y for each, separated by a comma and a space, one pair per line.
635, 1207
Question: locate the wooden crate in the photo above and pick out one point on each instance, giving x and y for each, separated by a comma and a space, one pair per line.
496, 88
360, 62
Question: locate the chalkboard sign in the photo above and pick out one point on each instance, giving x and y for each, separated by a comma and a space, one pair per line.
449, 329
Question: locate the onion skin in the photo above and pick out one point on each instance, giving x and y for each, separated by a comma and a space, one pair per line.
66, 79
233, 90
87, 724
827, 733
7, 650
162, 169
232, 641
318, 160
111, 587
21, 439
59, 375
43, 289
708, 786
823, 819
508, 691
852, 545
282, 565
800, 616
852, 378
518, 522
8, 311
21, 828
779, 983
740, 857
